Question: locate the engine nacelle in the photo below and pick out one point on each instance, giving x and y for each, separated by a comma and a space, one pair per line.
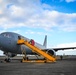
51, 52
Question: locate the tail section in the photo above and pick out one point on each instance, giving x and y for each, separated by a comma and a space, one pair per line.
45, 41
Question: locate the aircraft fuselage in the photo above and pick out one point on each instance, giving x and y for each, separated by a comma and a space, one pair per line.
8, 43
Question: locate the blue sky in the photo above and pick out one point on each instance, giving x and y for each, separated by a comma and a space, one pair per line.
37, 18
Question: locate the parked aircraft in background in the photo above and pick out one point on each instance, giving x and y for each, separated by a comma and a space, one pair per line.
8, 44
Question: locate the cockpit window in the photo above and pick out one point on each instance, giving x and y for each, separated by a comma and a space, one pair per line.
6, 35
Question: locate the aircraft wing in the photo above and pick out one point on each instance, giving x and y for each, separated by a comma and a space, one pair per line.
64, 48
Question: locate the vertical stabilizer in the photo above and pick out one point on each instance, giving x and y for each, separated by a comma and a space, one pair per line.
45, 41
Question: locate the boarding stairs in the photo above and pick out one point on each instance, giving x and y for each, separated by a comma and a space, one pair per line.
48, 57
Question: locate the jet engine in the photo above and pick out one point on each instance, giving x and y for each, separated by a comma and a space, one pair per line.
51, 52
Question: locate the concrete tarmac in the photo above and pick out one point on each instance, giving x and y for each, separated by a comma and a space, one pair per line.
61, 67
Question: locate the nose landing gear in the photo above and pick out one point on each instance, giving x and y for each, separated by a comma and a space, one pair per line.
7, 60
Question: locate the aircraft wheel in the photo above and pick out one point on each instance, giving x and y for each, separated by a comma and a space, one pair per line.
7, 60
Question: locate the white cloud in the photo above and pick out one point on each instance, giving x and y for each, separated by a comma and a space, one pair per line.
16, 31
67, 45
1, 12
16, 11
46, 6
0, 1
31, 13
36, 32
70, 1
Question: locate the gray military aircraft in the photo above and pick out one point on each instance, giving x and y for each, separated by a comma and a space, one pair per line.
8, 44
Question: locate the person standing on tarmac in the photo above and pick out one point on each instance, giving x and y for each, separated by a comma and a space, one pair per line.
61, 57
